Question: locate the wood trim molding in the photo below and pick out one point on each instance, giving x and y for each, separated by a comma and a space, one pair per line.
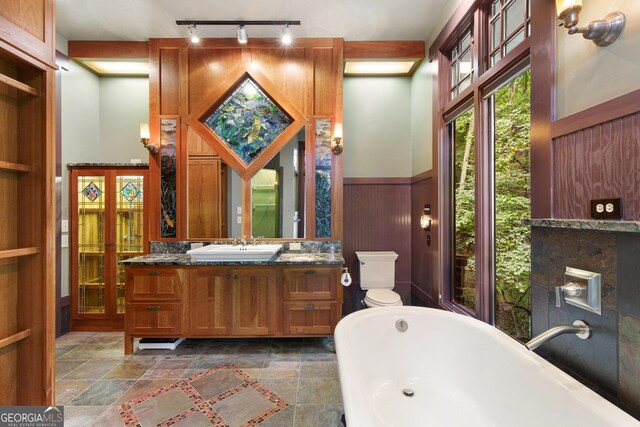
610, 110
377, 181
107, 49
422, 176
384, 50
463, 12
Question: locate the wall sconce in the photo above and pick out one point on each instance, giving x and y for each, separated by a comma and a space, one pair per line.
144, 138
336, 146
603, 31
425, 219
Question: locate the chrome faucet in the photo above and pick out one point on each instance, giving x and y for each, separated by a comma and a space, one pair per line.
254, 240
581, 329
243, 241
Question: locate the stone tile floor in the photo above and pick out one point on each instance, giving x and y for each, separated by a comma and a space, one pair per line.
93, 376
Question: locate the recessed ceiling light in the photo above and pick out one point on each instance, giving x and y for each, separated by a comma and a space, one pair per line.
378, 67
119, 67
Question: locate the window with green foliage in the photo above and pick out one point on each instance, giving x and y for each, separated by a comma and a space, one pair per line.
464, 211
511, 114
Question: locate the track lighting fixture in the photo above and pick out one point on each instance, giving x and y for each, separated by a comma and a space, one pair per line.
191, 29
243, 38
286, 36
242, 35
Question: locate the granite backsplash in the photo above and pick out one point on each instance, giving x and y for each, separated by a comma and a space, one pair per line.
307, 246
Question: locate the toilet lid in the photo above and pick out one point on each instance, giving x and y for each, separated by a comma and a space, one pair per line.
383, 296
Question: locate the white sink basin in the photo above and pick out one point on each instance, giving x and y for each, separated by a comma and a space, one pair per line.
235, 253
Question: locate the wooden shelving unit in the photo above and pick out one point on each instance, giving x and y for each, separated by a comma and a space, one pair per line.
27, 208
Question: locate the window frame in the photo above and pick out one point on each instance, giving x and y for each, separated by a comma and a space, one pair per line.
476, 14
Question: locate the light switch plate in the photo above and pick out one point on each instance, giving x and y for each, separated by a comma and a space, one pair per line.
295, 246
64, 241
239, 219
64, 226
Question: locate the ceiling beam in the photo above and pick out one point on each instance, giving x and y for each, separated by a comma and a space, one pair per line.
108, 49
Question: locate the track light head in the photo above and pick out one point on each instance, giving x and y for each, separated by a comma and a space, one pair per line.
242, 35
286, 36
191, 29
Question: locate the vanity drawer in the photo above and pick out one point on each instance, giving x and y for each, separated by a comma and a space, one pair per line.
148, 319
309, 317
310, 283
154, 284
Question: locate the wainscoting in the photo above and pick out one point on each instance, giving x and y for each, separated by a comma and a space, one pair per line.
598, 160
377, 217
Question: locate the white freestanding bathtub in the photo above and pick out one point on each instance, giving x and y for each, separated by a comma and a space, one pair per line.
462, 372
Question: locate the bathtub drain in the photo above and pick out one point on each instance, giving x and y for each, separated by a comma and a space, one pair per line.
407, 392
402, 325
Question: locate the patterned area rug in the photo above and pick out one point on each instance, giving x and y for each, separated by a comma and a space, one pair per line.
222, 396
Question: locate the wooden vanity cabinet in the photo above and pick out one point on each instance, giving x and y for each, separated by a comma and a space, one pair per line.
312, 297
231, 301
154, 303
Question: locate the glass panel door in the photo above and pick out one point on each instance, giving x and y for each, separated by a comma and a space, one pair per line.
91, 244
129, 227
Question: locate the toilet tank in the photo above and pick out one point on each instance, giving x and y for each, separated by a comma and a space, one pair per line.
377, 269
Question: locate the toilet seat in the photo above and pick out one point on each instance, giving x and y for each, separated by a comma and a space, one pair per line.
382, 298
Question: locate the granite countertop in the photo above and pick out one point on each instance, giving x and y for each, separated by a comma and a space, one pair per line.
107, 165
287, 258
587, 224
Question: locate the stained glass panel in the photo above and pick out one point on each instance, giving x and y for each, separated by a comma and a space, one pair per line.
168, 134
130, 191
92, 191
248, 121
323, 178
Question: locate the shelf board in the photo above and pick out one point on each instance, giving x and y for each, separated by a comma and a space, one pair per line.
15, 338
19, 85
11, 253
15, 167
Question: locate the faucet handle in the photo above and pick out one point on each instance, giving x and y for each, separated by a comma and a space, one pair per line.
571, 288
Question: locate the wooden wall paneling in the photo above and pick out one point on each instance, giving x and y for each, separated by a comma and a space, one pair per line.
422, 255
634, 151
29, 26
337, 214
630, 167
169, 82
598, 162
207, 67
595, 164
382, 208
285, 70
153, 193
196, 145
204, 196
323, 81
309, 97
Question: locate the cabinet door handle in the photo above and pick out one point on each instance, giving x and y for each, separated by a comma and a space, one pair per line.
309, 307
310, 272
153, 273
235, 277
153, 307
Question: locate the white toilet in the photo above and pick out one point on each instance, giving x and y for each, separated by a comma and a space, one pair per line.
377, 277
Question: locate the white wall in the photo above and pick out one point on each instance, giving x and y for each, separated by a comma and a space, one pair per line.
422, 117
588, 75
377, 127
124, 104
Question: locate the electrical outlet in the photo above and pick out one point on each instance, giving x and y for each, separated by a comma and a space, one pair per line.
64, 226
239, 210
295, 246
239, 219
606, 209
